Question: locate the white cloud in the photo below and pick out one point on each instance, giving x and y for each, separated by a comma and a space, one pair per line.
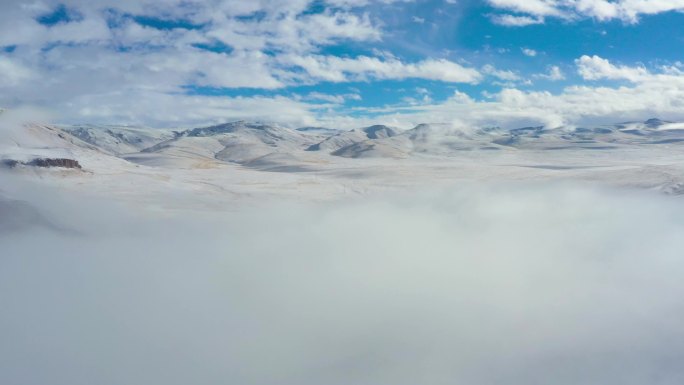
91, 82
303, 33
332, 98
128, 67
603, 10
361, 3
500, 74
337, 69
533, 7
173, 110
105, 54
554, 74
122, 44
516, 21
529, 52
596, 68
650, 95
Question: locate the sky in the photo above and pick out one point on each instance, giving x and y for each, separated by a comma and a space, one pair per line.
344, 63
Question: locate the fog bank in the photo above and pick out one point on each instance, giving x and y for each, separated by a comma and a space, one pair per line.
519, 285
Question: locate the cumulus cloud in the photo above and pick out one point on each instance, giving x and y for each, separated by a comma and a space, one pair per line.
595, 68
150, 62
647, 94
67, 55
478, 285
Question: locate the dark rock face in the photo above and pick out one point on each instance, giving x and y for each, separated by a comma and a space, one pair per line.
44, 162
55, 162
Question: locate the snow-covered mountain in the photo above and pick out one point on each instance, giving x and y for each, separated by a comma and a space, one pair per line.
445, 140
338, 142
274, 147
119, 140
237, 142
238, 156
35, 143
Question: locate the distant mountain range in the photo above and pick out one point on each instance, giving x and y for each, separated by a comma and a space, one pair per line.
268, 146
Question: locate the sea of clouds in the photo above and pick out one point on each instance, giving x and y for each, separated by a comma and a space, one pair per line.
517, 284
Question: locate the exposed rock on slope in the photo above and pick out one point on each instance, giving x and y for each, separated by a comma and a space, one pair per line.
55, 162
44, 162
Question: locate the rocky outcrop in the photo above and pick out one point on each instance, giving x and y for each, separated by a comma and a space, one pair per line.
55, 162
44, 162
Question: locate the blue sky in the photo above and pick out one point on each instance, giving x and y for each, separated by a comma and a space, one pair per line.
344, 62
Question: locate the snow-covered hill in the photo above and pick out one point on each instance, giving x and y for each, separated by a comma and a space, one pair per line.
244, 142
120, 140
445, 140
344, 143
644, 154
237, 142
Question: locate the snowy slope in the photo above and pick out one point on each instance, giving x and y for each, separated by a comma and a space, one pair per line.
119, 140
236, 142
341, 140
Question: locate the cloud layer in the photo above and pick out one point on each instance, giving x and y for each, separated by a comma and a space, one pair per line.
518, 285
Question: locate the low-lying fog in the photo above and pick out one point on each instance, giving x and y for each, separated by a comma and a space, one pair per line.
515, 284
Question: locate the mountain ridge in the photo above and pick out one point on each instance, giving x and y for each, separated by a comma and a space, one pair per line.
252, 143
